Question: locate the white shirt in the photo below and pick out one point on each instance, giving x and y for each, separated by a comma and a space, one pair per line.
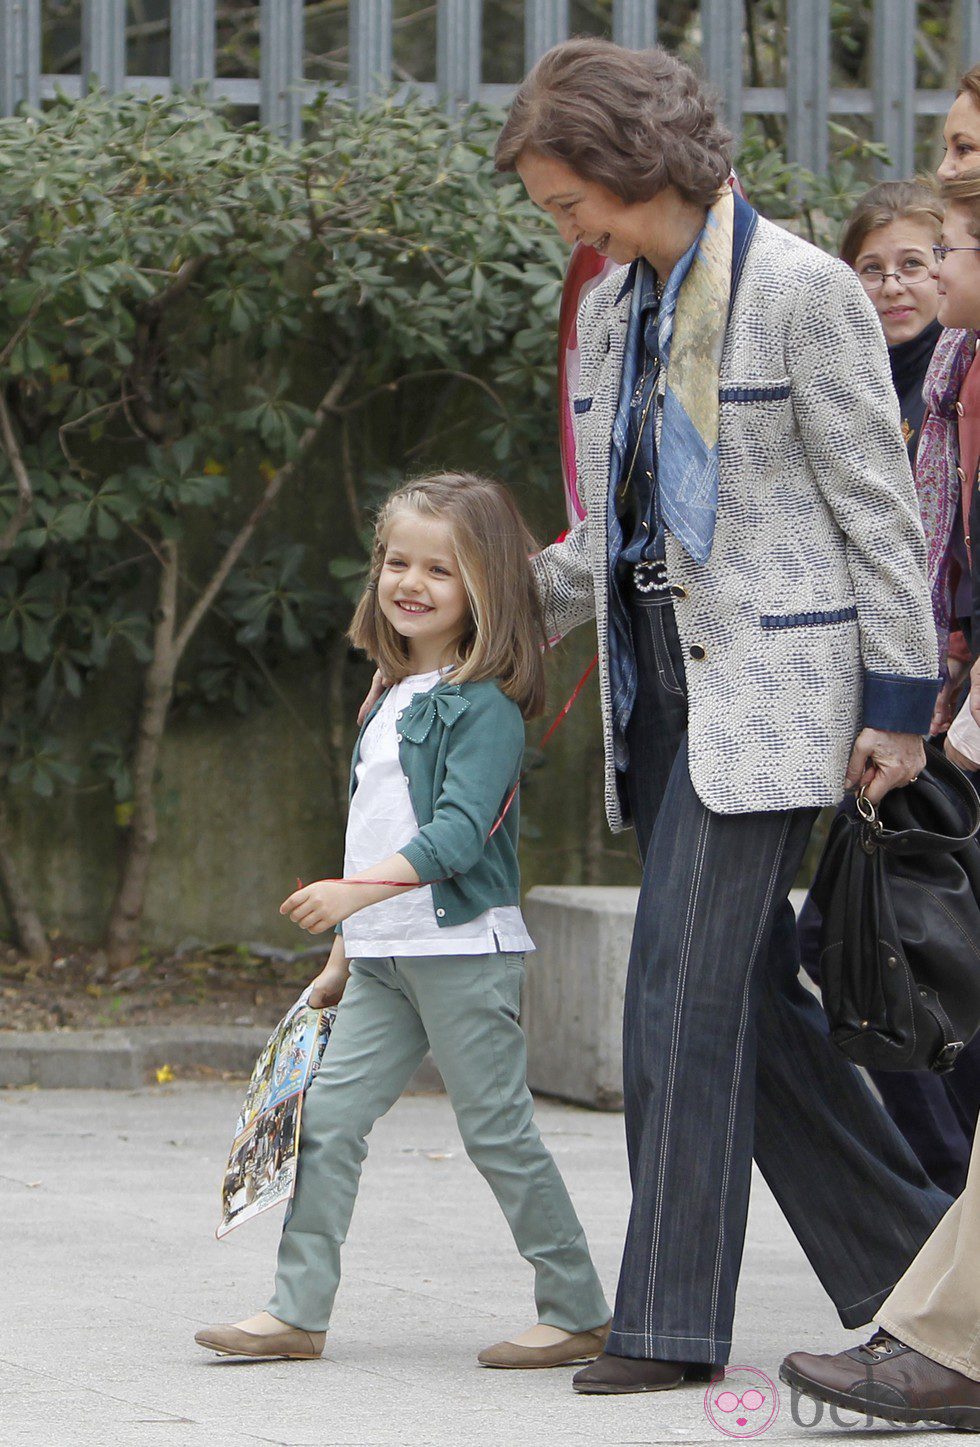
381, 822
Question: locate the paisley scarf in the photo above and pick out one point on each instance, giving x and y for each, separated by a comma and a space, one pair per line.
936, 482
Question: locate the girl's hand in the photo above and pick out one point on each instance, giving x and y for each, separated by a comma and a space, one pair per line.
318, 907
329, 985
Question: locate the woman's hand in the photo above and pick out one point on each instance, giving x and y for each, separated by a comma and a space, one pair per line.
318, 907
882, 761
330, 983
378, 686
946, 701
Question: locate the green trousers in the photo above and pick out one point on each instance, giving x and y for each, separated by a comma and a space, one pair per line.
465, 1007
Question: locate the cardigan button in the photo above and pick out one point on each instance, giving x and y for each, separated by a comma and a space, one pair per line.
959, 409
440, 913
698, 653
398, 738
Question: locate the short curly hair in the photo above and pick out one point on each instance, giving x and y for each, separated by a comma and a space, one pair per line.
636, 121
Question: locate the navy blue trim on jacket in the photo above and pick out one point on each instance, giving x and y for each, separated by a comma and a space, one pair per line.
899, 704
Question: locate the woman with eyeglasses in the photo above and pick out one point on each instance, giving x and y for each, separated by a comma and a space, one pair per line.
888, 240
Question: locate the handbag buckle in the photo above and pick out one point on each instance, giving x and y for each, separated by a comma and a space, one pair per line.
947, 1057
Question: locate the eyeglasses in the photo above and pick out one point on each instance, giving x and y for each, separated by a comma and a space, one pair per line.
941, 252
910, 273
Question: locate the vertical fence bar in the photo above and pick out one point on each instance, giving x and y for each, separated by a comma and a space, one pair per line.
104, 43
545, 24
635, 23
894, 84
281, 65
192, 42
970, 33
20, 54
808, 83
459, 32
370, 46
722, 26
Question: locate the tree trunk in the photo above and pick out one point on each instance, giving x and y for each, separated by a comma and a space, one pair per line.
29, 933
122, 935
169, 645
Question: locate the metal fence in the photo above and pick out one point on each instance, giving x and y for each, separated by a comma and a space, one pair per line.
807, 101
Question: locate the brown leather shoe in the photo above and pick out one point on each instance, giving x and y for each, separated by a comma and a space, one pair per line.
609, 1374
885, 1378
584, 1346
292, 1342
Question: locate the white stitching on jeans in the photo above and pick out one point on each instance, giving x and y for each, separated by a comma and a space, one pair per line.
739, 1048
672, 1068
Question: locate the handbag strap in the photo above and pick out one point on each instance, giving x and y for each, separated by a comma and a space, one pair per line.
942, 775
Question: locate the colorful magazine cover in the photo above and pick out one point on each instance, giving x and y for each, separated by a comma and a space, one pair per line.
261, 1168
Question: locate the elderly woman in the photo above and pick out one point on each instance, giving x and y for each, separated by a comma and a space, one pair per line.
754, 562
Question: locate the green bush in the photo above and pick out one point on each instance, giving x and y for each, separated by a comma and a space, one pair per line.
216, 349
196, 317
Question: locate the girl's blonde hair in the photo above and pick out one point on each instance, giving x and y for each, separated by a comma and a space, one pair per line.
964, 192
887, 202
505, 637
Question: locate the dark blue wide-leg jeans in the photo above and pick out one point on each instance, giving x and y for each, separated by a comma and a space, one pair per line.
726, 1054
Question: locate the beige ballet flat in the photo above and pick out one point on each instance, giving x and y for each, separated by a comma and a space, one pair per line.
292, 1342
584, 1346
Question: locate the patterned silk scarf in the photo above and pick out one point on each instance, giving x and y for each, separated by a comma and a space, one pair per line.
936, 482
693, 321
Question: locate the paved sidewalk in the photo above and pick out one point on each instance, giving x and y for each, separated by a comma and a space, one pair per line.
105, 1279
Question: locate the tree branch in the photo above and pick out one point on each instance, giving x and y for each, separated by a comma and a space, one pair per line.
274, 487
25, 493
183, 278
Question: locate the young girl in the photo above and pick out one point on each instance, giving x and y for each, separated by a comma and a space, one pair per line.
433, 943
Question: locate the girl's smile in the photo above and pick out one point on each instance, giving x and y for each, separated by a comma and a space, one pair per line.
421, 591
906, 302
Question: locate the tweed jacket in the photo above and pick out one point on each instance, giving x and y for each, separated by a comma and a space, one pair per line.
812, 615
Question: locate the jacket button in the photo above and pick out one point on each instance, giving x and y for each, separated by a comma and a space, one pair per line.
678, 592
440, 913
399, 713
697, 652
398, 738
961, 474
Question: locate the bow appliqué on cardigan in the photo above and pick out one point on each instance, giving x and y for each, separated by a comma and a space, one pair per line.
446, 704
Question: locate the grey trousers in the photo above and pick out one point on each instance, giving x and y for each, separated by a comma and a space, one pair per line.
935, 1308
465, 1007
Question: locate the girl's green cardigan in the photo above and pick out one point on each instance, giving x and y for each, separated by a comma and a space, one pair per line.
461, 747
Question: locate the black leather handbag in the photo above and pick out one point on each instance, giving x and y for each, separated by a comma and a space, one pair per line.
899, 891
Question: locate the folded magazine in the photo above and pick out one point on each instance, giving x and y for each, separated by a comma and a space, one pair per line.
261, 1168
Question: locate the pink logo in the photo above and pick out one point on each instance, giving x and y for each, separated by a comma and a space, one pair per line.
744, 1404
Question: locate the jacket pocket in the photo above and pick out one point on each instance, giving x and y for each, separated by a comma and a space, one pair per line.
778, 390
819, 619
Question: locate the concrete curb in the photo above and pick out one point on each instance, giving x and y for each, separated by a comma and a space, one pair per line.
127, 1058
